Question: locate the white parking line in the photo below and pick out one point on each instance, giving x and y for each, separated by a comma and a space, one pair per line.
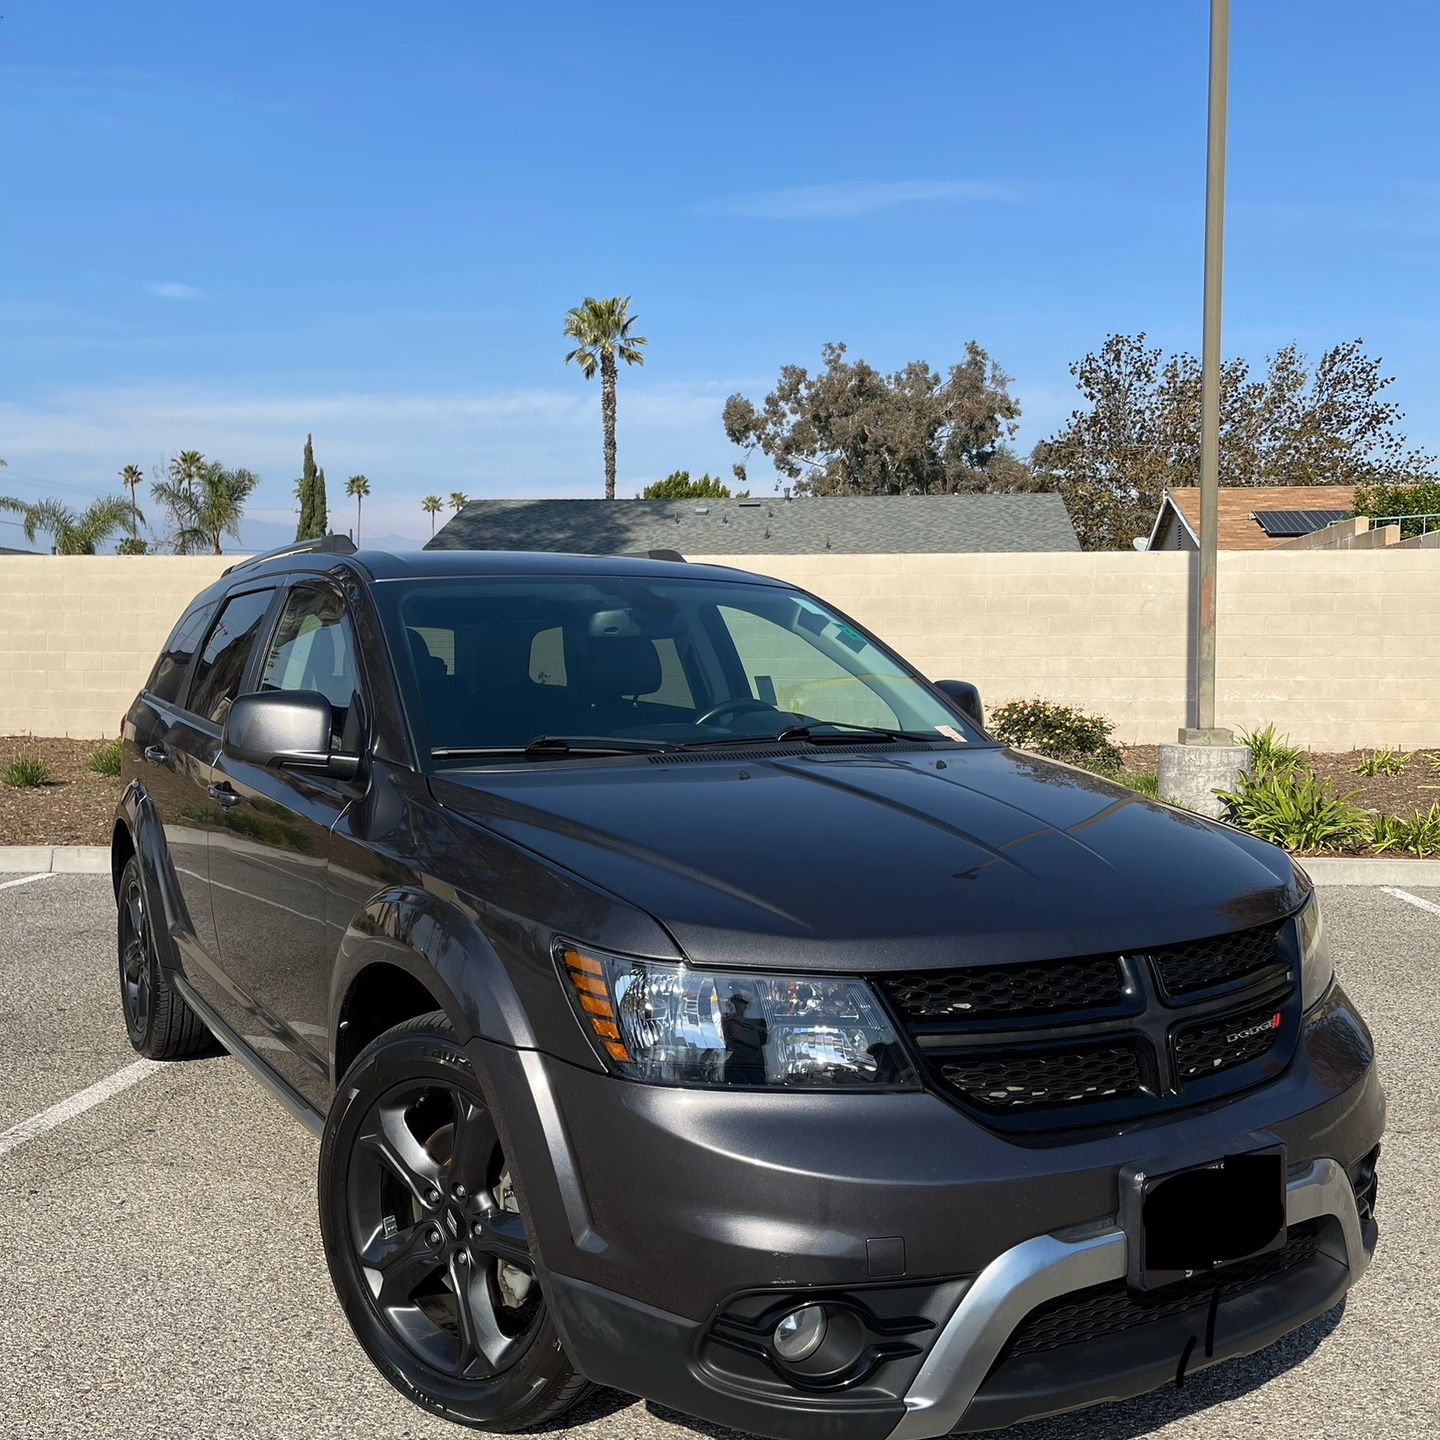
1410, 899
77, 1104
26, 880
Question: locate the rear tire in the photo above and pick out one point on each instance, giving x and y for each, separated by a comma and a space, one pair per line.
161, 1026
426, 1243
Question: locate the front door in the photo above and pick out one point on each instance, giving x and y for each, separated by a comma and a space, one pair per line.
268, 862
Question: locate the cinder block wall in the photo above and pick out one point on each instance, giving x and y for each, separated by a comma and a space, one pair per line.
1340, 649
79, 633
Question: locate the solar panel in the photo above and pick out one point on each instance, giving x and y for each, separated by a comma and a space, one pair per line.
1286, 524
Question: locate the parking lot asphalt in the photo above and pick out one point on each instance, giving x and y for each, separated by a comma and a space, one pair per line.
163, 1274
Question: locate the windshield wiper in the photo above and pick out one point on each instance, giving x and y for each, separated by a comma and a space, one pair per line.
818, 732
552, 747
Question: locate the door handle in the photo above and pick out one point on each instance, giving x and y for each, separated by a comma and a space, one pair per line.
156, 754
225, 796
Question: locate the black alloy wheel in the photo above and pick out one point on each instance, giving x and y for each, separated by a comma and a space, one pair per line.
426, 1243
159, 1023
135, 957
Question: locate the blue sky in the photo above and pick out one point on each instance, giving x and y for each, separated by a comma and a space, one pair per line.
226, 225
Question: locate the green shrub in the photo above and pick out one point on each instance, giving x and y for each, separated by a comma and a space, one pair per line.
1271, 754
1296, 811
132, 545
1379, 501
1059, 732
26, 771
106, 759
1384, 761
1417, 834
1146, 782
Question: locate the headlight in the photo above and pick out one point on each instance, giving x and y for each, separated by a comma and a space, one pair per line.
1317, 972
670, 1025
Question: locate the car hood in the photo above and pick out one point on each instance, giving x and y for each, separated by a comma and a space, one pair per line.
882, 860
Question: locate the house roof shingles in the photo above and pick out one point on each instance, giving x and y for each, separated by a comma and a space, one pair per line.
892, 524
1238, 503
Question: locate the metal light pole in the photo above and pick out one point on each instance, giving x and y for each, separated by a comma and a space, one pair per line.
1207, 759
1210, 360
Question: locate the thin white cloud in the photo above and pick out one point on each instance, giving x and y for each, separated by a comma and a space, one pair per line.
844, 199
174, 290
504, 443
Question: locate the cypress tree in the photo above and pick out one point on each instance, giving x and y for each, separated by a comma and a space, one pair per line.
312, 490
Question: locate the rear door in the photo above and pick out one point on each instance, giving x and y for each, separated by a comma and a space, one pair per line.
190, 743
268, 864
173, 752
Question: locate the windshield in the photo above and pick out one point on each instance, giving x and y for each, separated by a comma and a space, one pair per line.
498, 663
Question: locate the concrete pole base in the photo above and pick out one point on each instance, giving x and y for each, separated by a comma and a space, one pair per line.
1191, 772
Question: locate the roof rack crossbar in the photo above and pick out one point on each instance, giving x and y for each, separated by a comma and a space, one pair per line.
320, 545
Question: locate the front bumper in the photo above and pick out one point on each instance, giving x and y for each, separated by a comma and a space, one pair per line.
652, 1209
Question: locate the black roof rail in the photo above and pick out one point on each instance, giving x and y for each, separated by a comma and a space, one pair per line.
321, 545
665, 555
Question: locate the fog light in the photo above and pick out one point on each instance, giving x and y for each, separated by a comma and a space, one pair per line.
798, 1335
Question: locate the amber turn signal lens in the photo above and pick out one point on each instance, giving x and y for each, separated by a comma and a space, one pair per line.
587, 976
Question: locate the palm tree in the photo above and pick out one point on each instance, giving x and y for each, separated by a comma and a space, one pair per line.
601, 330
207, 507
131, 477
458, 500
431, 506
359, 487
185, 468
74, 534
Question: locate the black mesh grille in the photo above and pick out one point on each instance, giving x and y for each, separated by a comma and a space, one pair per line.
1184, 969
1111, 1308
1231, 1040
1020, 1079
1008, 990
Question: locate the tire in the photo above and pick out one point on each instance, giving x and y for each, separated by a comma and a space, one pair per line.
420, 1210
161, 1026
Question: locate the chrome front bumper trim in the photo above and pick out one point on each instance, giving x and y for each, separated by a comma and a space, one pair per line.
1037, 1270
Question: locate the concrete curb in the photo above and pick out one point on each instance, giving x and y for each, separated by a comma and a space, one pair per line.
1322, 869
55, 859
1371, 870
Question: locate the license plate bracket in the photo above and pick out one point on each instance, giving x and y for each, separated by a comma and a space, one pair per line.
1196, 1219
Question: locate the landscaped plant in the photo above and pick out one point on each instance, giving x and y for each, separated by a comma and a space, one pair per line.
106, 759
1271, 753
1297, 811
1384, 761
26, 771
1146, 782
1059, 732
1417, 834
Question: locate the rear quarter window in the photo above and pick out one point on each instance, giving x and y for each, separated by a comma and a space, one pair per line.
167, 679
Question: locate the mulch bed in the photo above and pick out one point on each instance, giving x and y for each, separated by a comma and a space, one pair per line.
1416, 787
76, 808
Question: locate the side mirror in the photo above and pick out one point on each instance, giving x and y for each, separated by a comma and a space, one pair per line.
965, 698
286, 728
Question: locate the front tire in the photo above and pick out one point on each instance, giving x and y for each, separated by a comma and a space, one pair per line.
161, 1026
427, 1248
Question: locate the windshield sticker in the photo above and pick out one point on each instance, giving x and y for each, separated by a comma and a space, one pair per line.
950, 734
847, 637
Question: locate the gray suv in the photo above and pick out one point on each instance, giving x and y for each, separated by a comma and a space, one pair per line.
693, 999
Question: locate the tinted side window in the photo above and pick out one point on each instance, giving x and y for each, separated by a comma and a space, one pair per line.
313, 649
168, 676
222, 662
